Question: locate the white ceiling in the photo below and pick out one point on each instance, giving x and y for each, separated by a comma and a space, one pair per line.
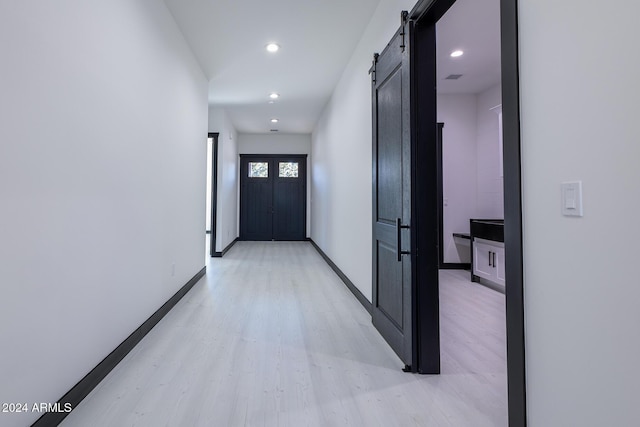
317, 38
472, 26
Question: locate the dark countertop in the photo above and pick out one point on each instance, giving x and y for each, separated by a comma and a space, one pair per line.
462, 235
489, 229
489, 221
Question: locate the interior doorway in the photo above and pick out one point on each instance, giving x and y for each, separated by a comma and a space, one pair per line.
418, 39
468, 87
457, 241
212, 191
426, 14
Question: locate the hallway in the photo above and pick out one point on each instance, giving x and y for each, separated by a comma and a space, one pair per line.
272, 337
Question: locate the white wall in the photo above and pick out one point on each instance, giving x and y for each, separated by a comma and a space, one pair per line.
103, 120
251, 143
579, 100
459, 170
228, 163
341, 156
472, 181
490, 183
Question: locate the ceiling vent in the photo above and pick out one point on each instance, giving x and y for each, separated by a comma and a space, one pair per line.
453, 77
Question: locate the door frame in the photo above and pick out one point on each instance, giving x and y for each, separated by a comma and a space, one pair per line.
440, 171
426, 13
214, 191
303, 158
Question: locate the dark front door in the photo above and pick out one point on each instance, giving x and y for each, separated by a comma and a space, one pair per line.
256, 199
273, 197
289, 198
392, 265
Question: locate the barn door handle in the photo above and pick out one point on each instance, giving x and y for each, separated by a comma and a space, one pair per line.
399, 251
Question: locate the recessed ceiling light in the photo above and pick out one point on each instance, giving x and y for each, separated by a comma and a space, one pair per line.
273, 47
456, 53
274, 120
274, 95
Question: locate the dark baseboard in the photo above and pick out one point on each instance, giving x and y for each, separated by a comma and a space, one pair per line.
97, 374
354, 290
225, 250
455, 266
489, 284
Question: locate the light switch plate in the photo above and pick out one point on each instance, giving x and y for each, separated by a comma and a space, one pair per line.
572, 198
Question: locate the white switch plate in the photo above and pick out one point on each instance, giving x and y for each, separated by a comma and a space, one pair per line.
572, 198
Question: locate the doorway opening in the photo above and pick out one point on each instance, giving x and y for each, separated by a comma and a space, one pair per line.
471, 199
427, 14
212, 192
411, 101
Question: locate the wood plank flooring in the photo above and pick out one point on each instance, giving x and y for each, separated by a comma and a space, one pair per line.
272, 337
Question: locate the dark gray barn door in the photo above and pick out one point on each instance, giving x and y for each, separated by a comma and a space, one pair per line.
392, 272
273, 197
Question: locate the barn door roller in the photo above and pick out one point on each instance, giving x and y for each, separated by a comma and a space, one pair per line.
404, 15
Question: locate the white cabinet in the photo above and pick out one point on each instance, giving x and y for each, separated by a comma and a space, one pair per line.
488, 260
499, 261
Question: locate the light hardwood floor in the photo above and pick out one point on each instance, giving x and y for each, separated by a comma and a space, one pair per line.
272, 337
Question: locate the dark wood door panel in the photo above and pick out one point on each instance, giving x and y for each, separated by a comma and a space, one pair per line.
392, 280
390, 58
389, 148
390, 290
258, 199
289, 217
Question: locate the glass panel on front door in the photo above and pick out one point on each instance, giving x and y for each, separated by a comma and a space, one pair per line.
258, 170
288, 170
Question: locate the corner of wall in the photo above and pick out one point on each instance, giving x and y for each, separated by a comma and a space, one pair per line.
228, 189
